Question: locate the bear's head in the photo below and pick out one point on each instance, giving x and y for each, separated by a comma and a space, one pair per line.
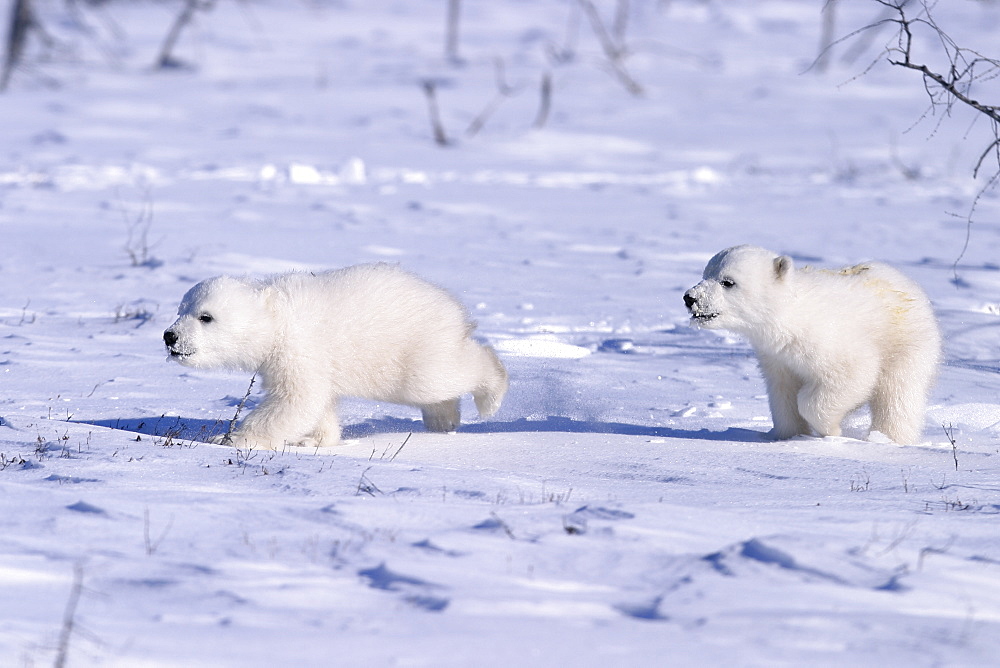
743, 290
223, 322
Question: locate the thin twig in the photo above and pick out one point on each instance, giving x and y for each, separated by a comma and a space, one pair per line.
620, 26
405, 441
826, 35
615, 52
227, 439
503, 525
451, 38
504, 91
69, 616
152, 547
949, 431
22, 21
430, 87
166, 58
137, 229
545, 101
366, 485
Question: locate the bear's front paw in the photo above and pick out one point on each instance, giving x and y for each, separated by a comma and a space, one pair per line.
783, 434
318, 441
243, 441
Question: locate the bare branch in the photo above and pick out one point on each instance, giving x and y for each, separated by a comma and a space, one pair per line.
504, 91
567, 52
21, 23
826, 40
620, 26
545, 103
429, 87
166, 58
955, 85
615, 51
451, 37
994, 147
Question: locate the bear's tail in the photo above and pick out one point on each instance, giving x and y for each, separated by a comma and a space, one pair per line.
492, 385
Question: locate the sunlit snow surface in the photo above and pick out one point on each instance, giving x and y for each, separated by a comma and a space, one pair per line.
623, 507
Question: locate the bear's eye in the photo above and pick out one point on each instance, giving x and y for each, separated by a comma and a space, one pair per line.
727, 283
205, 318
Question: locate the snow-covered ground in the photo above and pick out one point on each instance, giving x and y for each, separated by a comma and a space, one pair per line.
623, 507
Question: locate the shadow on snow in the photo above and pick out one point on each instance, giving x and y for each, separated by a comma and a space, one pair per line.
200, 430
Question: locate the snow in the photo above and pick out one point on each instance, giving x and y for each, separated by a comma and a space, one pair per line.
623, 507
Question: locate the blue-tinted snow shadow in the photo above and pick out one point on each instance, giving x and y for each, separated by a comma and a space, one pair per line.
201, 430
179, 428
557, 424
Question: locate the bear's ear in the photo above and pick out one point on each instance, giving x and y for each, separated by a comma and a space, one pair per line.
782, 267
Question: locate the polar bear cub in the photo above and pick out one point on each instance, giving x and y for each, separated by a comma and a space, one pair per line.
828, 341
372, 331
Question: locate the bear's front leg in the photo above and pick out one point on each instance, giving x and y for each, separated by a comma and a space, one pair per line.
826, 400
824, 408
285, 417
328, 431
782, 397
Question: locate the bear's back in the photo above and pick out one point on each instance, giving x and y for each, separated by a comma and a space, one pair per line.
377, 305
868, 301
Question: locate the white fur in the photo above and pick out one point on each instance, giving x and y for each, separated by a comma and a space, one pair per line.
372, 331
828, 341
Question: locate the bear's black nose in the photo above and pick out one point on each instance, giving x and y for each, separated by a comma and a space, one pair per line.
169, 337
689, 301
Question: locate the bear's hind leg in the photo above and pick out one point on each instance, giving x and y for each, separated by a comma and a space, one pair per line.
898, 407
442, 417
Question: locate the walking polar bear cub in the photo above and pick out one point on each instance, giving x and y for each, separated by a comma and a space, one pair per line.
828, 341
372, 331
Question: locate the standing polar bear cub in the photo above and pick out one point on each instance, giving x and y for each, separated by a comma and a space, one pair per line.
372, 331
828, 341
